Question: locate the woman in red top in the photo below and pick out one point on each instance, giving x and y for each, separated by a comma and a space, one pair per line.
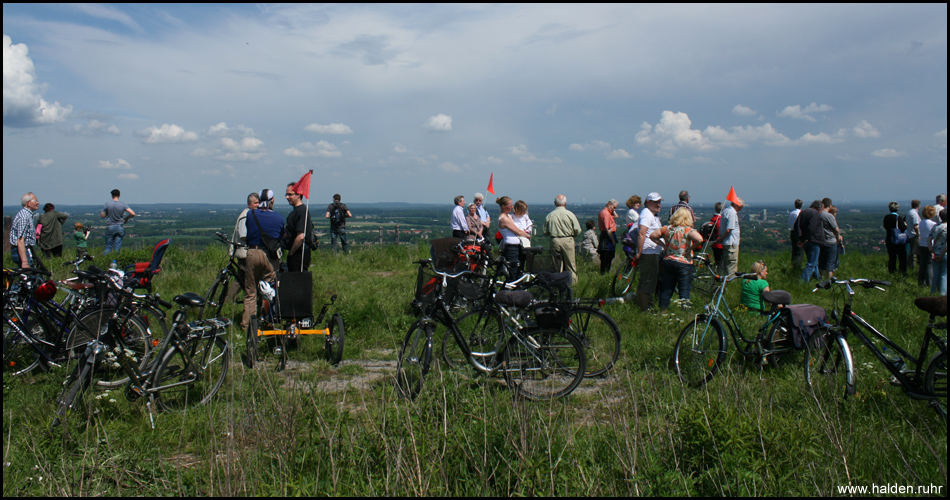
608, 235
714, 236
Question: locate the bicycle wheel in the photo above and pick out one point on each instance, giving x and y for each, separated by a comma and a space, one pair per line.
544, 364
251, 354
216, 298
415, 359
700, 349
704, 280
624, 278
19, 354
334, 343
199, 369
935, 380
133, 332
77, 382
482, 330
829, 368
779, 348
600, 336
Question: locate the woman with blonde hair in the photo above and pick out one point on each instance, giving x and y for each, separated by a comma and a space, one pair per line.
680, 240
511, 235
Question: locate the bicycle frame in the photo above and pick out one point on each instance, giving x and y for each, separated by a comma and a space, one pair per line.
720, 309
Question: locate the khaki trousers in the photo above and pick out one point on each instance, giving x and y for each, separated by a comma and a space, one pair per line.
562, 249
258, 268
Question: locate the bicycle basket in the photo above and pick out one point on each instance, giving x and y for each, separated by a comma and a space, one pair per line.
428, 286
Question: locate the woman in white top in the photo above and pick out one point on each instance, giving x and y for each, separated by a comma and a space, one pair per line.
511, 235
925, 271
633, 215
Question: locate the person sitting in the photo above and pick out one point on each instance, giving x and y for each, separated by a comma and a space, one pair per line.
752, 289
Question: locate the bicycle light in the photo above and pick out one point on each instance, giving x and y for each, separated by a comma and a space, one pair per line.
45, 292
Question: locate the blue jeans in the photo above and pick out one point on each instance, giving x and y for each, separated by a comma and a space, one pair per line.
674, 274
339, 232
114, 236
812, 251
939, 280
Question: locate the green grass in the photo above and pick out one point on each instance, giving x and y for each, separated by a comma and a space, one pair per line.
317, 429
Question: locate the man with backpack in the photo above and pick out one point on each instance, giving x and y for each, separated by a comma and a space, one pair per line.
337, 213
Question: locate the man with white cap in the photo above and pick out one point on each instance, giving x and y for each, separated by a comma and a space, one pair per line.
649, 253
729, 237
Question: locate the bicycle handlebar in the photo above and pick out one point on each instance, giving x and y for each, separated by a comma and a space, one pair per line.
28, 271
866, 283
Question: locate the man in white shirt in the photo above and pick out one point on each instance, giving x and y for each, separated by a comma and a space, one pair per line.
729, 237
649, 253
459, 225
913, 231
793, 234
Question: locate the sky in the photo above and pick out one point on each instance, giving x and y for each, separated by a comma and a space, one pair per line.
420, 103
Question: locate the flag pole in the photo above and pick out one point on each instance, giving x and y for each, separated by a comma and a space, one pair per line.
307, 218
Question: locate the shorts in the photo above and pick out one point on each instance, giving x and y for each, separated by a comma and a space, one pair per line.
649, 273
827, 253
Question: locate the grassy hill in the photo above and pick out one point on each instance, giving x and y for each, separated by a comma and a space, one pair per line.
316, 429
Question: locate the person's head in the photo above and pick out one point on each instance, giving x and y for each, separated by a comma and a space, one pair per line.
833, 210
943, 215
337, 198
78, 226
590, 224
115, 193
826, 202
654, 200
29, 201
292, 197
49, 207
505, 203
460, 200
479, 199
682, 218
684, 196
560, 200
739, 204
942, 200
633, 202
611, 204
760, 269
815, 205
798, 204
253, 200
915, 204
521, 208
471, 208
893, 206
928, 212
266, 198
718, 207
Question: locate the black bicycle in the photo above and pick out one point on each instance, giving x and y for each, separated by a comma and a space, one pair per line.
922, 377
227, 285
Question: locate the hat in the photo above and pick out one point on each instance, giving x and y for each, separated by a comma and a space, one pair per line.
267, 198
654, 196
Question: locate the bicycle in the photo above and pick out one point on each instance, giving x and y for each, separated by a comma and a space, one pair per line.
626, 276
701, 346
926, 381
190, 364
537, 363
221, 292
704, 275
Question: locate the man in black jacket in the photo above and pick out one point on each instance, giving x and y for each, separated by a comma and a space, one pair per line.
808, 228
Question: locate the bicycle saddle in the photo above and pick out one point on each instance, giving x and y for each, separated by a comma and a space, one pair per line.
936, 306
777, 297
518, 298
189, 299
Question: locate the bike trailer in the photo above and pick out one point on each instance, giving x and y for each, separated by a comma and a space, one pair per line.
295, 295
806, 320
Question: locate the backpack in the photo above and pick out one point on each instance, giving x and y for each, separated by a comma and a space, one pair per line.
337, 215
710, 230
631, 238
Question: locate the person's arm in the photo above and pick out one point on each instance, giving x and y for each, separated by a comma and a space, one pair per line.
21, 250
327, 216
298, 242
508, 223
130, 212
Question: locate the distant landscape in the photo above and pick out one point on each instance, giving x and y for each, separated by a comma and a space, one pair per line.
764, 226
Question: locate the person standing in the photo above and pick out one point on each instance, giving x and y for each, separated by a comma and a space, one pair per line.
79, 236
23, 233
298, 233
606, 222
648, 252
940, 204
458, 224
729, 237
912, 218
239, 236
938, 248
475, 227
118, 213
896, 251
562, 226
793, 234
511, 236
716, 220
925, 259
806, 227
262, 263
482, 213
680, 241
683, 203
830, 236
337, 212
51, 236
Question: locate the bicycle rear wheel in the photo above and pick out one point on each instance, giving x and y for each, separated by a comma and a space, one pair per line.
544, 364
219, 301
829, 368
624, 279
334, 343
700, 349
135, 336
935, 380
481, 329
779, 345
600, 336
76, 384
251, 354
704, 280
200, 367
415, 359
20, 356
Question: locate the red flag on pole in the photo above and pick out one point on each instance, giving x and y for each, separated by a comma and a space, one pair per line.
491, 185
732, 195
302, 187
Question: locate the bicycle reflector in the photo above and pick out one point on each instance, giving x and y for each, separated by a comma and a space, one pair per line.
45, 292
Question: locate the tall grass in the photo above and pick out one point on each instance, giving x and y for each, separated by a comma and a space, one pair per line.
317, 429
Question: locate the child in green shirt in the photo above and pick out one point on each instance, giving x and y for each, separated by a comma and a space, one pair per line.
752, 289
80, 237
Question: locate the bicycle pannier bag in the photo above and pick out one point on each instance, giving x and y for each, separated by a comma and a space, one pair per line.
806, 319
295, 295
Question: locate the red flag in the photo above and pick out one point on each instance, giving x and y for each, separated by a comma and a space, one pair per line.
302, 187
491, 185
732, 196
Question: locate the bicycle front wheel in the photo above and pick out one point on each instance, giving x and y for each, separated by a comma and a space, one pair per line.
20, 356
136, 337
482, 330
334, 343
700, 350
704, 280
415, 359
935, 380
192, 373
600, 336
218, 300
544, 364
77, 382
829, 368
624, 279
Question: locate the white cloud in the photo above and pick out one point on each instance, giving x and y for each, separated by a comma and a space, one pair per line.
619, 154
671, 134
23, 104
439, 123
823, 138
552, 110
228, 171
94, 127
740, 110
450, 167
42, 163
493, 160
166, 134
335, 128
521, 151
797, 112
119, 164
888, 153
864, 130
322, 149
128, 176
222, 130
399, 148
942, 137
106, 12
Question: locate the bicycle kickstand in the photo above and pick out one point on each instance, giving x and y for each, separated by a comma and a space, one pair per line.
151, 409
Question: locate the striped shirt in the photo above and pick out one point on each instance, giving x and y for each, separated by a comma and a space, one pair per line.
23, 227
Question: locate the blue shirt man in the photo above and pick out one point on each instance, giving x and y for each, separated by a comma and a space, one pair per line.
115, 211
